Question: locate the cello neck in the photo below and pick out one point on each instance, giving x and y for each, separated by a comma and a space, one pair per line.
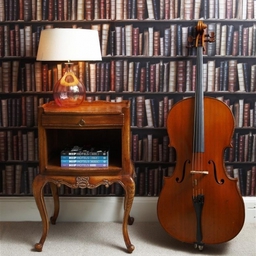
198, 137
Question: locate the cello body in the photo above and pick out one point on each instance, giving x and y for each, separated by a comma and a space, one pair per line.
199, 203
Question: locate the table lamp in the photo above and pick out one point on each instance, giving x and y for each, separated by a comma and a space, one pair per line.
68, 44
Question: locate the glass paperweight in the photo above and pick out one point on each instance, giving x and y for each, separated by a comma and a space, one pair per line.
69, 91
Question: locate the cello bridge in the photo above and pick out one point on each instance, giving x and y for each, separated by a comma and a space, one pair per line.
199, 172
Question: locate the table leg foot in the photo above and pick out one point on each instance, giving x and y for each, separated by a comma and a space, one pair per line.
38, 247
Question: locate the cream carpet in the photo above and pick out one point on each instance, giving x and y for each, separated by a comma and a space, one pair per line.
105, 239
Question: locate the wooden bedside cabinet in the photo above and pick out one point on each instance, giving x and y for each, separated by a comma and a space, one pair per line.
92, 123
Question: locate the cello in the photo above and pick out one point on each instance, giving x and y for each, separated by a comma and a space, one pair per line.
200, 204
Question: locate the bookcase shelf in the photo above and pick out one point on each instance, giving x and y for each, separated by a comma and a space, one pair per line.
110, 60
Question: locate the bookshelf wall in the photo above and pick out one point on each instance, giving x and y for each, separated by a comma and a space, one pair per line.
145, 60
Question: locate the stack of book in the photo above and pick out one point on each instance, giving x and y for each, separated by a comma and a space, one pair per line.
81, 157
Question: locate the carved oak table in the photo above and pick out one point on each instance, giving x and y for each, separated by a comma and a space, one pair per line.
94, 123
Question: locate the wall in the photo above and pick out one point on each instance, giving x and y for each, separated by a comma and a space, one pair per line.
92, 209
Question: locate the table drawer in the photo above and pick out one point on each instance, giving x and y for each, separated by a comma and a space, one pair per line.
82, 120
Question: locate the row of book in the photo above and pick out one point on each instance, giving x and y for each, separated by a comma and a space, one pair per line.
149, 181
18, 145
145, 111
244, 148
152, 148
125, 9
131, 40
18, 180
20, 112
153, 112
132, 76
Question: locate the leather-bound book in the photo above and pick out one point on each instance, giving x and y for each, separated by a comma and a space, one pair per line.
45, 9
1, 41
135, 153
169, 10
31, 145
125, 75
136, 75
246, 115
28, 41
102, 5
253, 78
241, 148
140, 108
104, 39
98, 76
28, 77
118, 42
29, 111
135, 41
129, 43
229, 9
112, 42
156, 44
60, 10
160, 113
6, 74
44, 77
235, 43
150, 182
166, 77
167, 42
89, 10
102, 76
16, 40
73, 9
152, 78
80, 9
51, 10
4, 112
253, 181
38, 76
93, 77
18, 112
246, 77
141, 184
6, 40
39, 10
240, 40
131, 76
18, 179
173, 40
232, 77
173, 76
15, 75
141, 7
180, 75
9, 141
107, 77
155, 150
241, 80
9, 175
189, 9
223, 46
153, 110
149, 116
248, 182
142, 79
118, 75
250, 146
3, 146
119, 9
2, 10
245, 41
150, 10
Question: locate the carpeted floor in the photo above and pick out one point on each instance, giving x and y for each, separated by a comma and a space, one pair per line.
105, 239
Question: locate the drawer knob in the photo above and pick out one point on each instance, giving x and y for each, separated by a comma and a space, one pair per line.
81, 122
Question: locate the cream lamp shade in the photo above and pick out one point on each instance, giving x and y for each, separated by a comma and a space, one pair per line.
68, 44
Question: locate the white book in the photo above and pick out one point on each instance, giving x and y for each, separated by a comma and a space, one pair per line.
240, 72
223, 43
211, 75
172, 76
148, 113
150, 9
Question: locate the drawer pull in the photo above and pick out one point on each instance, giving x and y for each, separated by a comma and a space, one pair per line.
81, 122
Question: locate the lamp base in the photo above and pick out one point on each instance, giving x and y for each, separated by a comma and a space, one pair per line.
69, 91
